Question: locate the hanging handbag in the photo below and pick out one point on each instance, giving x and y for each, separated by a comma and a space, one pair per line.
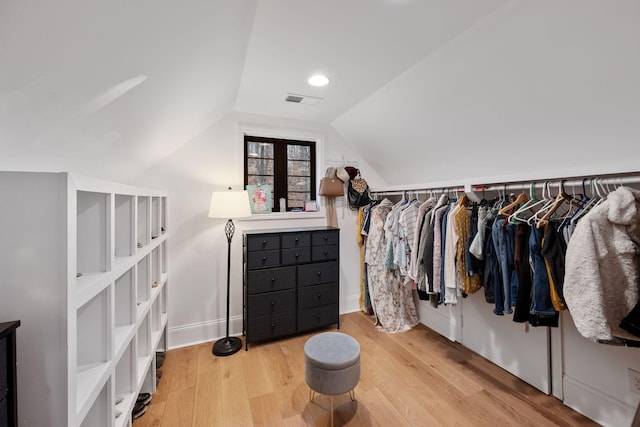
331, 187
358, 192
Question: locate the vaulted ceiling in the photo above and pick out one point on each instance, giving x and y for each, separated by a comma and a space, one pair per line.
127, 83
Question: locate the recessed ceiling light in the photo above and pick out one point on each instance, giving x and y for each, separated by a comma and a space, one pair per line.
318, 80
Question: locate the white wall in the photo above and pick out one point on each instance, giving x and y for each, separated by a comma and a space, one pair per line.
198, 247
538, 89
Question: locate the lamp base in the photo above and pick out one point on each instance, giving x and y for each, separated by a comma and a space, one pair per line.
227, 346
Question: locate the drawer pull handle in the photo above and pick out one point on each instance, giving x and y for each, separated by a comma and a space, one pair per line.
297, 240
318, 316
319, 273
273, 325
273, 303
264, 258
297, 255
273, 279
325, 252
319, 295
264, 242
326, 237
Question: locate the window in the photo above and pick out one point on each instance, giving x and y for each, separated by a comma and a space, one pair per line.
289, 166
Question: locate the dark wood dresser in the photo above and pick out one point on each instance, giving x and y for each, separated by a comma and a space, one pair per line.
290, 281
8, 378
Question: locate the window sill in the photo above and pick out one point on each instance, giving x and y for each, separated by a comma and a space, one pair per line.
283, 215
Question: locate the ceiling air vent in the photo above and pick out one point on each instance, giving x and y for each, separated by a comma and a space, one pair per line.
302, 99
294, 98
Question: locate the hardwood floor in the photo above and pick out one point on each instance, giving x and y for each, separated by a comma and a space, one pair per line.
417, 378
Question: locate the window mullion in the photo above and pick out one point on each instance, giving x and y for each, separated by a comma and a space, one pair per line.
280, 168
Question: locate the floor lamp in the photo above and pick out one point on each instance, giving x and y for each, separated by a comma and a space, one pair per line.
228, 204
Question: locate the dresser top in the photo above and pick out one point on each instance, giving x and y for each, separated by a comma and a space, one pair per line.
289, 230
7, 327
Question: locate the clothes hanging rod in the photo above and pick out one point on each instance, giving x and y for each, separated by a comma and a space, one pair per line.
554, 183
624, 178
438, 190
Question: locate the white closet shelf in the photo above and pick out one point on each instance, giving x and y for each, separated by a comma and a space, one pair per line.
90, 380
155, 291
144, 362
90, 285
156, 335
90, 227
123, 336
126, 406
141, 311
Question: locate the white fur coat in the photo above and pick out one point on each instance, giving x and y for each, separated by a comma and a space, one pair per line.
601, 273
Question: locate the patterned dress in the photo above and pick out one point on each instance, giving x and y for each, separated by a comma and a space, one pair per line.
392, 301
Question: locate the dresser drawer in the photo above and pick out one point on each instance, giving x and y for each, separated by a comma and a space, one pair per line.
324, 253
328, 237
263, 242
263, 259
271, 303
316, 274
296, 256
317, 295
310, 318
272, 279
266, 327
296, 240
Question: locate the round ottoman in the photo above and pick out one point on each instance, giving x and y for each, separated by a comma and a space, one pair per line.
332, 364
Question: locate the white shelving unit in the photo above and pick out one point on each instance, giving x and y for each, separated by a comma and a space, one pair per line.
84, 265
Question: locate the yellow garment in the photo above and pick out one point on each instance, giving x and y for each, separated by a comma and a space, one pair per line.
555, 298
470, 284
360, 240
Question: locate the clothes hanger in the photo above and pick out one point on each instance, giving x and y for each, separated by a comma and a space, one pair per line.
462, 200
573, 208
546, 201
560, 199
508, 209
515, 217
586, 201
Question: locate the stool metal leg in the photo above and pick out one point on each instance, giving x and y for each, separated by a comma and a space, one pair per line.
331, 410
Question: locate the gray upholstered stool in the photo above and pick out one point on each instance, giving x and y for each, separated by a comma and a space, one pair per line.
331, 365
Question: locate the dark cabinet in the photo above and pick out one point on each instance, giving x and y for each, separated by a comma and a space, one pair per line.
8, 391
291, 281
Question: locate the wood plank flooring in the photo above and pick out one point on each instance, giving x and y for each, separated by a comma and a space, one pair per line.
417, 378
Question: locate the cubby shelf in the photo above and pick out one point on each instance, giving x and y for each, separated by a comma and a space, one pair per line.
87, 276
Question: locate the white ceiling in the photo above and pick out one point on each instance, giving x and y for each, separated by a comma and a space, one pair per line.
360, 44
130, 82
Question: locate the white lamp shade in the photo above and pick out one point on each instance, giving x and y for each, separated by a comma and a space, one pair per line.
229, 204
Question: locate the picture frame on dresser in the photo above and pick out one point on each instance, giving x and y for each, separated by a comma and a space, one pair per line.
290, 281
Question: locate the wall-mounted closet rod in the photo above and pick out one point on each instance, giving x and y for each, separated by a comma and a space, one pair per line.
438, 190
614, 181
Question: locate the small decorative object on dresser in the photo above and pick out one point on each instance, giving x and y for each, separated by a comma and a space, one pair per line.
260, 198
291, 281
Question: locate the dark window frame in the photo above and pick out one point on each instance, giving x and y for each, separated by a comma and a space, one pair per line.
280, 166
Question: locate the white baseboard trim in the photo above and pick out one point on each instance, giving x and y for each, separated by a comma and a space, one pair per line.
592, 403
350, 304
197, 333
439, 320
